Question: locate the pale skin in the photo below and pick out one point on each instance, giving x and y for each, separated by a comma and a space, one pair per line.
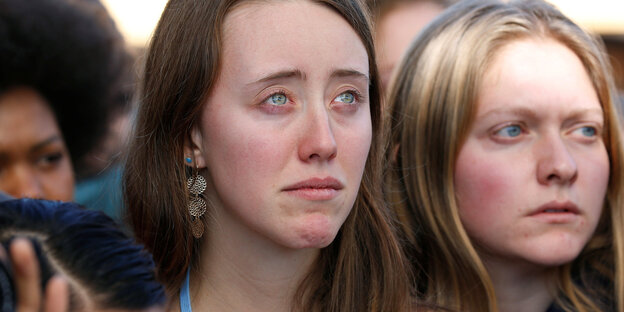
283, 142
532, 175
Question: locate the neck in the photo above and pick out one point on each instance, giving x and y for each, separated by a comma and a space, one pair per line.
520, 286
240, 270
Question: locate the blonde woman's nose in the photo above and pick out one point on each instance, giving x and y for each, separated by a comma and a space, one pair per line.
556, 163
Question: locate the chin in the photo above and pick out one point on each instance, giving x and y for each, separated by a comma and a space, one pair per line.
555, 254
315, 232
315, 239
552, 260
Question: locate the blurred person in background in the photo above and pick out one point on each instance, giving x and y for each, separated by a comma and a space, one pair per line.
397, 23
85, 261
63, 68
99, 173
4, 197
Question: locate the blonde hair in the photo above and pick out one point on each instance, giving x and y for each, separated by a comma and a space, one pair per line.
433, 101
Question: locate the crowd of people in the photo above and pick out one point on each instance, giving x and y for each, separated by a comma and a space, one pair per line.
301, 155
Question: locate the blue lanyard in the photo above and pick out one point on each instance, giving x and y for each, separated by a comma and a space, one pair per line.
185, 296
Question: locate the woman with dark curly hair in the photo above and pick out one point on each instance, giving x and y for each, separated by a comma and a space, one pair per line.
61, 68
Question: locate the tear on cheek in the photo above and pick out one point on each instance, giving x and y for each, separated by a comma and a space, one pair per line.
317, 231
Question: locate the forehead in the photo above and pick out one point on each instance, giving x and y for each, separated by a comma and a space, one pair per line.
534, 71
25, 116
259, 36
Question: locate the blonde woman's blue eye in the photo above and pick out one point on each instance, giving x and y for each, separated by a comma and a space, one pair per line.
510, 131
346, 97
588, 131
278, 99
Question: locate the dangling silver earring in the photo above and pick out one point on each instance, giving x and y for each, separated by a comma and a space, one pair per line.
197, 205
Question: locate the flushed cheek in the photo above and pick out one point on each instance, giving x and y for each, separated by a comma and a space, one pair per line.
252, 160
485, 191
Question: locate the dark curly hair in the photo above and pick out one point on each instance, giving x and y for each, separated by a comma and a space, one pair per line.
72, 56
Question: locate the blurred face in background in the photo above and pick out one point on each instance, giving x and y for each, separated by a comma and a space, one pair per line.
396, 29
34, 161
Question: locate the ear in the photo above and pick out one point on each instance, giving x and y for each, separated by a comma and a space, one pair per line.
193, 149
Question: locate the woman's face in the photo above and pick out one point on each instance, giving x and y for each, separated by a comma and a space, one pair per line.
532, 176
286, 131
396, 30
34, 161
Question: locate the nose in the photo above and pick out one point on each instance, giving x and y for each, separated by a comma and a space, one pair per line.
317, 141
22, 181
556, 164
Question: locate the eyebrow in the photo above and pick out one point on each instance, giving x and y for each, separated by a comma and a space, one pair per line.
529, 113
45, 142
295, 73
341, 73
291, 73
522, 111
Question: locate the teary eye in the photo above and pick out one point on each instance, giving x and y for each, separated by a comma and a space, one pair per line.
277, 99
345, 97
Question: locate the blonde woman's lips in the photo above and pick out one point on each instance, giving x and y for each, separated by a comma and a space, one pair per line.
557, 212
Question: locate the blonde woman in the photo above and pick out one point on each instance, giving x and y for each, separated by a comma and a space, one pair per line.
507, 162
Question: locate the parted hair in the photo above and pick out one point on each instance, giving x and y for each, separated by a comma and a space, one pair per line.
433, 102
90, 249
362, 270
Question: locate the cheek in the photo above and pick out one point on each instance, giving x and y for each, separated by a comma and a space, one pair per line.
60, 183
482, 190
597, 167
354, 144
250, 159
594, 171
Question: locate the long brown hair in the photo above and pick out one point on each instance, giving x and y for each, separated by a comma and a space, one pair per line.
362, 270
433, 103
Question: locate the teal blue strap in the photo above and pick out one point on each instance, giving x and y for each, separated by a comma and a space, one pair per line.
185, 296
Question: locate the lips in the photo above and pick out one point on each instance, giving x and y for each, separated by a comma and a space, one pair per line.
556, 207
316, 183
315, 188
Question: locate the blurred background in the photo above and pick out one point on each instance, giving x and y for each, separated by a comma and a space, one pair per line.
136, 20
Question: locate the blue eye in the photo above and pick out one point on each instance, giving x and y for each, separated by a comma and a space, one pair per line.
277, 99
510, 131
345, 97
588, 131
